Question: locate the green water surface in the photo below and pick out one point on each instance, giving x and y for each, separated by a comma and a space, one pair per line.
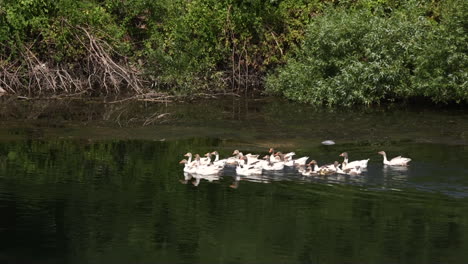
100, 183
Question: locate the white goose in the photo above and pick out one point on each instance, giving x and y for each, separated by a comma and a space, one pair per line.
289, 161
306, 172
350, 165
234, 159
301, 161
397, 161
287, 158
273, 166
272, 155
189, 161
313, 165
217, 161
202, 161
209, 169
311, 169
244, 169
189, 167
329, 168
354, 171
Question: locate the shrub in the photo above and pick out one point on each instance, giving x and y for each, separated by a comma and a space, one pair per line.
353, 56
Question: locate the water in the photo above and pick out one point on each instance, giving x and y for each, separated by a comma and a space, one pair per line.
94, 183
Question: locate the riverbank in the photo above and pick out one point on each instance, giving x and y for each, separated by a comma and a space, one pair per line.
318, 52
232, 117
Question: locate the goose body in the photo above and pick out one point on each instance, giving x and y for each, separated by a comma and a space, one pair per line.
277, 166
301, 161
236, 158
208, 170
309, 171
247, 170
315, 168
272, 155
217, 161
349, 165
188, 167
329, 168
397, 161
354, 171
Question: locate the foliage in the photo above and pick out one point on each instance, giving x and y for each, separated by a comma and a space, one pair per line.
441, 62
353, 56
348, 55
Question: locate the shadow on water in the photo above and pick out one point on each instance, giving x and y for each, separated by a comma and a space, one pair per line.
102, 184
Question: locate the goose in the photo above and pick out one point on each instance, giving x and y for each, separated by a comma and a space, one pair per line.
208, 169
252, 156
188, 168
207, 158
272, 166
252, 159
329, 168
301, 161
273, 155
234, 159
202, 161
287, 158
313, 164
348, 165
189, 161
289, 161
354, 171
339, 170
243, 168
397, 161
217, 161
306, 172
309, 171
260, 163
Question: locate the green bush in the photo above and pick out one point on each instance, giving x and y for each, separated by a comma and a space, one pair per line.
441, 62
354, 56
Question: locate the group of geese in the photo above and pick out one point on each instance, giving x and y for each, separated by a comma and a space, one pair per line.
251, 164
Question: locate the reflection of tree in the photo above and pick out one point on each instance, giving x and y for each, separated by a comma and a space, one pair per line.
122, 202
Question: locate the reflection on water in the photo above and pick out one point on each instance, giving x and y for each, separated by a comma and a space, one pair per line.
87, 193
123, 201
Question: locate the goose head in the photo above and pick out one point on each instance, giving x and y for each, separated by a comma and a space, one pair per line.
214, 153
184, 161
279, 155
336, 164
236, 152
344, 154
244, 158
381, 152
272, 151
188, 154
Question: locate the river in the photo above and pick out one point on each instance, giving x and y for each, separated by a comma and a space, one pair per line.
88, 182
